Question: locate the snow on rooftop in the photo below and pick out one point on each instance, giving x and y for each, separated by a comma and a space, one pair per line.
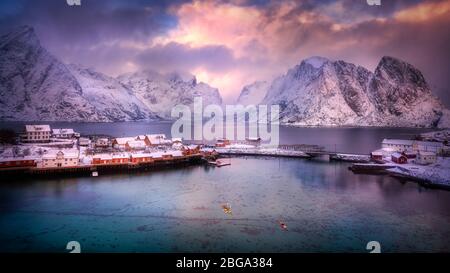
141, 155
427, 153
62, 131
66, 153
8, 159
120, 156
124, 140
136, 143
37, 128
103, 156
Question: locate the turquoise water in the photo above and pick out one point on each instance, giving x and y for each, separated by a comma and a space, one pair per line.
326, 207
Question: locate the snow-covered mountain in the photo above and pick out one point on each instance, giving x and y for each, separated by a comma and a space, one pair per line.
161, 92
35, 85
321, 92
253, 93
109, 96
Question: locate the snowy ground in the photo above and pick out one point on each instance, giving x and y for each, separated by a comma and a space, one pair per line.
438, 173
29, 151
439, 136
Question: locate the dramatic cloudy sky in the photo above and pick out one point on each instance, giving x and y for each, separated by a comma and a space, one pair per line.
232, 43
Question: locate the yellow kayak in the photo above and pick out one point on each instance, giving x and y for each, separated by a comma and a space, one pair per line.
227, 209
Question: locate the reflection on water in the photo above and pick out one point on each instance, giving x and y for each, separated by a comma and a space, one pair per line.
326, 208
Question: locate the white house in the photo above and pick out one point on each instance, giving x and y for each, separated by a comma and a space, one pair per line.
398, 145
82, 141
64, 133
60, 159
402, 145
121, 142
135, 145
157, 139
425, 158
102, 143
37, 133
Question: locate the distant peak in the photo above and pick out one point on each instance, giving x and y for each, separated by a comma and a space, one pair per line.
316, 61
24, 28
390, 60
182, 77
390, 63
22, 33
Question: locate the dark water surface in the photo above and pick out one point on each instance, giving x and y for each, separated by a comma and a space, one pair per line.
327, 208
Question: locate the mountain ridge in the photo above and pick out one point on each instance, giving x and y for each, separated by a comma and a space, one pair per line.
322, 92
35, 85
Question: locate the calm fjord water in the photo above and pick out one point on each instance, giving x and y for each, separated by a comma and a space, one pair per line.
327, 208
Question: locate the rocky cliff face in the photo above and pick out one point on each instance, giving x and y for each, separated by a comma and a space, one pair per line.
253, 93
34, 85
320, 92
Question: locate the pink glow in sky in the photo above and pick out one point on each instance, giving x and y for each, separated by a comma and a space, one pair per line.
229, 44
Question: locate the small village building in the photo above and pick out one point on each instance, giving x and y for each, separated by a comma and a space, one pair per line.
167, 156
190, 150
177, 146
135, 145
84, 142
428, 146
120, 143
36, 134
157, 156
177, 140
64, 133
397, 145
102, 143
140, 137
425, 158
141, 158
102, 159
120, 158
410, 154
402, 145
61, 159
157, 140
222, 142
376, 156
399, 158
17, 162
176, 154
254, 141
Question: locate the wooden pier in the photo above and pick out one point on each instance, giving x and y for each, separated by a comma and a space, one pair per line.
369, 168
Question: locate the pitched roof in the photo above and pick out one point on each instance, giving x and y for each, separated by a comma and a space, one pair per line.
136, 144
124, 140
37, 128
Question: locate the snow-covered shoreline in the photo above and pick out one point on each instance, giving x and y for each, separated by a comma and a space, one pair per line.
437, 174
